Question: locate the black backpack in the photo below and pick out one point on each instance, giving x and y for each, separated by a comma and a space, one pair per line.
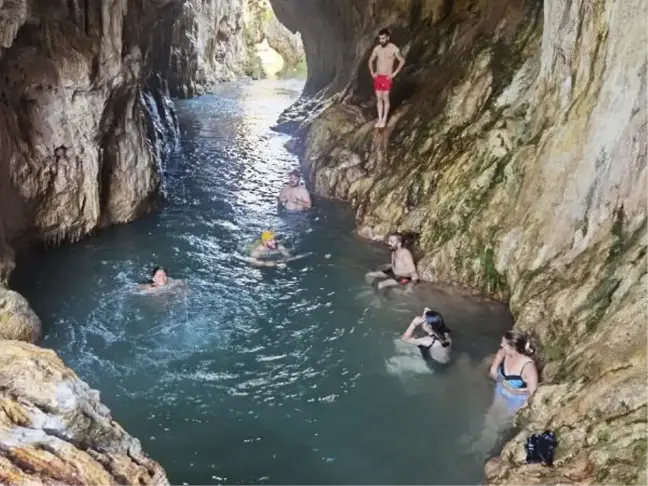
541, 448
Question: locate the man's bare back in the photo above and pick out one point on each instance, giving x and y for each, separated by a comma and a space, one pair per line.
385, 58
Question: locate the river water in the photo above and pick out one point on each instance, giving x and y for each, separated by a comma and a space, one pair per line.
262, 376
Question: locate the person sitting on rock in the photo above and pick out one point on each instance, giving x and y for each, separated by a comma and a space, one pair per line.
294, 196
514, 370
436, 344
269, 253
402, 269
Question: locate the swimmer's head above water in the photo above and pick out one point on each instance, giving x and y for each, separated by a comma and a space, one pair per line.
294, 177
268, 239
434, 324
159, 277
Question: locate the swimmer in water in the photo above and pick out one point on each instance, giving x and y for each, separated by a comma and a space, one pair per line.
269, 253
402, 269
159, 278
294, 196
436, 344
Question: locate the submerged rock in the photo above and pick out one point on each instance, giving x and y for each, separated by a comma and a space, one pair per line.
54, 429
517, 151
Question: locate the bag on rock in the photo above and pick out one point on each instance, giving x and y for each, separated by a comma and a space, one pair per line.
541, 448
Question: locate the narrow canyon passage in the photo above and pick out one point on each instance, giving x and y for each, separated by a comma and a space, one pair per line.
252, 376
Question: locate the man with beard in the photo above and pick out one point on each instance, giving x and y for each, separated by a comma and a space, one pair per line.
294, 196
402, 269
384, 55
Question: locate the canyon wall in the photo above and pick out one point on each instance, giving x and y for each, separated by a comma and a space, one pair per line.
214, 41
516, 151
208, 46
85, 125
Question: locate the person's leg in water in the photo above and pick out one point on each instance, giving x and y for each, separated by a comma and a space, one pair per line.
371, 277
384, 285
498, 422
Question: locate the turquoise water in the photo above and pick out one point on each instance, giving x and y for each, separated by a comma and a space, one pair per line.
262, 376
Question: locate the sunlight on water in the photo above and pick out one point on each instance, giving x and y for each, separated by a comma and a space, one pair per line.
242, 375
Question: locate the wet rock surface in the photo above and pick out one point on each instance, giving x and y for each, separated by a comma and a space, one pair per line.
54, 429
516, 150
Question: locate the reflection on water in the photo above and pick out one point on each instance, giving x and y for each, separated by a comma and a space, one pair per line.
262, 376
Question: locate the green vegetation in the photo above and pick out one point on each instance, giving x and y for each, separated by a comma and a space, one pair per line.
617, 234
494, 281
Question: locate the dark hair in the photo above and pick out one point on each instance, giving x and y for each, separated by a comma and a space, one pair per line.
157, 269
295, 173
520, 341
384, 32
439, 329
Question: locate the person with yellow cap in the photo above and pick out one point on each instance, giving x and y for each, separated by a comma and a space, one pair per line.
268, 252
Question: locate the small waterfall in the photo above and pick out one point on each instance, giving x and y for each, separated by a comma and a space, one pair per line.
161, 123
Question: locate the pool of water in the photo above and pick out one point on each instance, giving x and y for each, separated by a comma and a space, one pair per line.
262, 376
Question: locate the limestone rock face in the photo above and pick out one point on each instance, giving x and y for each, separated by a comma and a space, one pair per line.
214, 41
54, 429
262, 23
207, 46
17, 319
83, 122
517, 151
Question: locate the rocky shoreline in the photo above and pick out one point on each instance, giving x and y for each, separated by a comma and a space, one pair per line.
517, 153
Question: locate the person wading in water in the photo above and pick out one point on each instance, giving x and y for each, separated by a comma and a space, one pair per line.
384, 55
294, 196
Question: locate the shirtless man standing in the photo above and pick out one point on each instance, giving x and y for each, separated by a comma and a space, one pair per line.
402, 269
385, 53
294, 196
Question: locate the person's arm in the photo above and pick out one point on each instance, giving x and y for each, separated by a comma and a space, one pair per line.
283, 199
255, 259
400, 60
530, 375
408, 334
499, 357
372, 58
411, 266
283, 251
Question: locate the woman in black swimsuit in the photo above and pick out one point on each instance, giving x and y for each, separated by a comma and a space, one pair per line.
436, 344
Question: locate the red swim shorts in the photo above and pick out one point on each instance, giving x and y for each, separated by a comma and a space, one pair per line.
382, 82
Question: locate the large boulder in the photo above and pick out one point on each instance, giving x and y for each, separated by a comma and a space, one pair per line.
17, 319
54, 429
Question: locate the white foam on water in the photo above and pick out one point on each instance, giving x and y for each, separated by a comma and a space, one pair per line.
406, 361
